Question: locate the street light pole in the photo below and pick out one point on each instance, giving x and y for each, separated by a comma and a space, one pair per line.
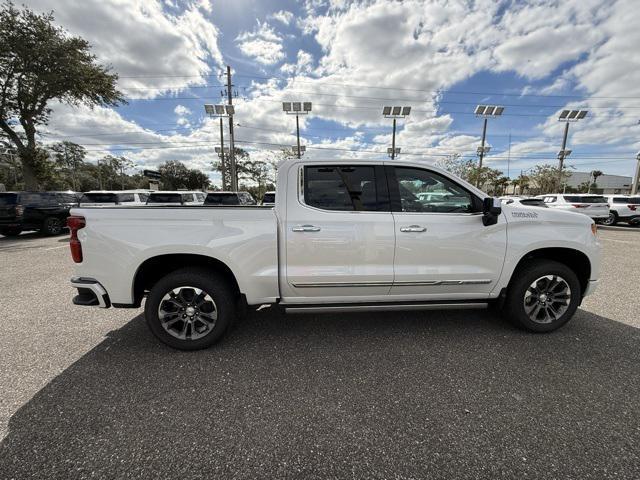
485, 111
395, 113
393, 141
484, 136
298, 134
222, 111
562, 154
297, 109
567, 116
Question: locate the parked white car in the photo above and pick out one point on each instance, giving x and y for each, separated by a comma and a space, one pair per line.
96, 198
350, 235
594, 206
623, 208
174, 198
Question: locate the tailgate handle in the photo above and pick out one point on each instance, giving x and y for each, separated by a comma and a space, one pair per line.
413, 228
305, 228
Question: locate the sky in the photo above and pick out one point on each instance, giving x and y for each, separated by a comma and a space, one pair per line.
351, 58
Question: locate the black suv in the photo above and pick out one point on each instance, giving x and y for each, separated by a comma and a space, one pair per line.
43, 211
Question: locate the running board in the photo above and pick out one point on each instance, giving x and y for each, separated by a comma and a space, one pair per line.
372, 307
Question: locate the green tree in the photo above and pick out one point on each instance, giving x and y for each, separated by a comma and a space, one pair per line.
176, 175
545, 178
40, 62
69, 157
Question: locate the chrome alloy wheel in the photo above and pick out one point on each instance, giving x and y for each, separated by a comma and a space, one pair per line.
187, 313
547, 298
610, 220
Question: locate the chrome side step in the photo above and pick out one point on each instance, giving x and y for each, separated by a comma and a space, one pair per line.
385, 307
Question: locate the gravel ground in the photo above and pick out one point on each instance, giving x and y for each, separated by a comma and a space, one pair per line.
89, 393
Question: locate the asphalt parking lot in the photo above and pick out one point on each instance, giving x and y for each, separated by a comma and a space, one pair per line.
89, 393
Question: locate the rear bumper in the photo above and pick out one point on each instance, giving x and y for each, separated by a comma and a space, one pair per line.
90, 293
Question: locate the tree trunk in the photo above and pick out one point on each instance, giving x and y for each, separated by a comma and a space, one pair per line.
27, 158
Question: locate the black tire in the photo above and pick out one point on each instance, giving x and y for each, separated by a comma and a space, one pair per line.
52, 226
213, 285
521, 291
611, 220
11, 231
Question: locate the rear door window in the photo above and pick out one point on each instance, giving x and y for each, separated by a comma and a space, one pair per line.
126, 197
342, 188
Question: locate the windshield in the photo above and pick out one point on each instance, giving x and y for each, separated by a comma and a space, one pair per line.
222, 199
8, 198
585, 199
165, 198
99, 198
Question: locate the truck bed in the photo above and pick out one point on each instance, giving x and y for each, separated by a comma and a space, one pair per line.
117, 240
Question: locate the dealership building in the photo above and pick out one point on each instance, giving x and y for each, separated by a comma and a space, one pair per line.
606, 184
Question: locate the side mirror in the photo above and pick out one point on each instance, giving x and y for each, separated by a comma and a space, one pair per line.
491, 210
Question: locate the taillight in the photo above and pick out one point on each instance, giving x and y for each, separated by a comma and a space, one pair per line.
632, 207
75, 223
19, 210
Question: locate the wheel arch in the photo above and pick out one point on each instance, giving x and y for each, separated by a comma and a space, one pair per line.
574, 259
154, 268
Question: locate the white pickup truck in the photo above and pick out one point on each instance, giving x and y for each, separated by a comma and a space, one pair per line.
343, 236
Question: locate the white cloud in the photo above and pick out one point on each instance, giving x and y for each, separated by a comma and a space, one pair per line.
182, 111
146, 46
303, 65
283, 16
262, 44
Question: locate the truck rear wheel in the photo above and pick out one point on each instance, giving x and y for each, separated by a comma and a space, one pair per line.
190, 309
52, 226
542, 296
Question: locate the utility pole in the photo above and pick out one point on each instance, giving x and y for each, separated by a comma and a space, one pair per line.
636, 177
232, 148
223, 167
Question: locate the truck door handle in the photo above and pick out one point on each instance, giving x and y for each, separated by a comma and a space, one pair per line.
413, 228
305, 228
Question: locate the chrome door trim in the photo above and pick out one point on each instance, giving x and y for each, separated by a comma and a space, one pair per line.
391, 284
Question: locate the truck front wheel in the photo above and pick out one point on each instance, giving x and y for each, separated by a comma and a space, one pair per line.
190, 309
542, 296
